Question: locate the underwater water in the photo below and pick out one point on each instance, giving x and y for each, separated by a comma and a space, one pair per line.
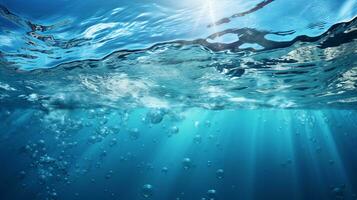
178, 100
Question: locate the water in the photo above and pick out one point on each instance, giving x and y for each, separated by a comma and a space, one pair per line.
181, 100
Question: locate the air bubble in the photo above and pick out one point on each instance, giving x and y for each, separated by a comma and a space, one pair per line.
187, 164
147, 191
220, 173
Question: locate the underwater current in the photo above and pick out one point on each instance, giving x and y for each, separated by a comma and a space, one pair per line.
178, 100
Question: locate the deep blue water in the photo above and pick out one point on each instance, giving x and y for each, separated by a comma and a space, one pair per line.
178, 100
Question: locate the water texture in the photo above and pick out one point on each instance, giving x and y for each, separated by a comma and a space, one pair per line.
191, 99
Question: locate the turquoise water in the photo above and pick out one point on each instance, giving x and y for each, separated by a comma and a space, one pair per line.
178, 100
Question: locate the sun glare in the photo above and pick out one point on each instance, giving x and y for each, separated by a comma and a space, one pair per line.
207, 11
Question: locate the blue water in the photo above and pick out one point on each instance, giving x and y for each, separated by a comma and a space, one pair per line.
178, 100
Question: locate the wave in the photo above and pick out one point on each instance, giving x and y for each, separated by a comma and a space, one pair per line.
251, 72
